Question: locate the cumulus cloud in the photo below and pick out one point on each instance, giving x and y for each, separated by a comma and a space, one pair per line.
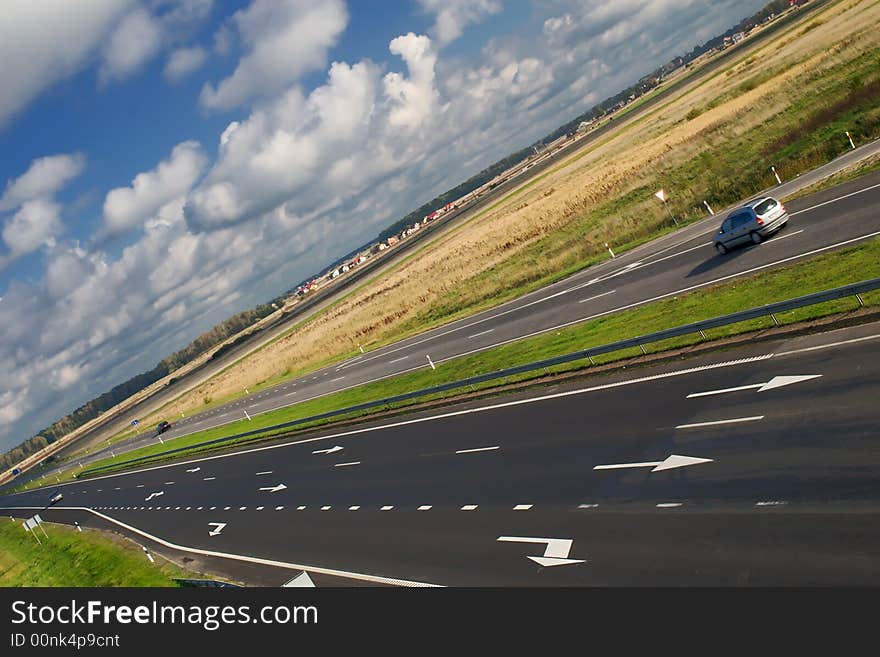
134, 41
452, 16
36, 223
128, 207
44, 177
66, 40
284, 39
184, 61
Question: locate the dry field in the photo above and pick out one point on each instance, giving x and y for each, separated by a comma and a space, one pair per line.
559, 224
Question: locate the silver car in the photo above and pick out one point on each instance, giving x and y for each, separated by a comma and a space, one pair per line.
751, 223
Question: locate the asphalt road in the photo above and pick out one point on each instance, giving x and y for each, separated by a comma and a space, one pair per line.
780, 488
679, 262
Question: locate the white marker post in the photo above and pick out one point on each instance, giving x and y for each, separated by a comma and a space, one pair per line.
778, 179
246, 414
78, 528
662, 196
149, 556
430, 362
849, 136
361, 348
609, 250
709, 208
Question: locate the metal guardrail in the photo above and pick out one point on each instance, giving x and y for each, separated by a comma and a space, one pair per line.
853, 290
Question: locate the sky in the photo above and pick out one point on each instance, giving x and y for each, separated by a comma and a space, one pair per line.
167, 163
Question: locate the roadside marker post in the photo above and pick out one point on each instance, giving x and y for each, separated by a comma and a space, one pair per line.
246, 414
610, 250
78, 528
778, 179
430, 362
709, 208
149, 556
849, 136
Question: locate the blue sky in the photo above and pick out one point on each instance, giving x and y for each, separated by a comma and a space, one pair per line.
169, 162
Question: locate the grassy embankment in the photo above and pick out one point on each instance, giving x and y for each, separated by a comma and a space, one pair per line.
785, 102
818, 273
72, 558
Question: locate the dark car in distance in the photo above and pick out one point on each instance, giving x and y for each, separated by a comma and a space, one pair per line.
162, 427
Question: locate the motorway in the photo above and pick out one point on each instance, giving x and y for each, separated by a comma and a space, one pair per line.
679, 262
753, 466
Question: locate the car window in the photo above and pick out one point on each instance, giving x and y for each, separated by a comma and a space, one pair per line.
765, 206
741, 219
726, 226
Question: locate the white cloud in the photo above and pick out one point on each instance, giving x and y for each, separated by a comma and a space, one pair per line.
36, 223
454, 15
44, 177
128, 207
414, 98
284, 39
45, 41
184, 61
135, 40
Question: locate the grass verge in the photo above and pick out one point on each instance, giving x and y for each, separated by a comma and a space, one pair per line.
812, 275
72, 558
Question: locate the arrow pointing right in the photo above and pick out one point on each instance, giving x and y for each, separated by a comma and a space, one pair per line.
218, 527
772, 384
669, 463
274, 489
335, 448
555, 554
152, 495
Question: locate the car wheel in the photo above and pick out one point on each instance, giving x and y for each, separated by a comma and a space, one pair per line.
721, 248
756, 237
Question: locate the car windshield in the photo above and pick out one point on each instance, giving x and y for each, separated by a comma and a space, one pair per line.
765, 206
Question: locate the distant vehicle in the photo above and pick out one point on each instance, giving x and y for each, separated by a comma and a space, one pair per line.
751, 223
16, 472
57, 497
162, 427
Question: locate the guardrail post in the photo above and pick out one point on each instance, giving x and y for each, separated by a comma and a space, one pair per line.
859, 297
592, 362
773, 317
702, 334
642, 347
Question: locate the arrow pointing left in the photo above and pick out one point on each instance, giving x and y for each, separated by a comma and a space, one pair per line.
218, 527
302, 579
152, 495
274, 489
555, 554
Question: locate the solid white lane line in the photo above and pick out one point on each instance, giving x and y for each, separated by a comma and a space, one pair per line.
321, 570
737, 420
469, 507
829, 345
477, 449
342, 465
264, 473
425, 507
522, 507
772, 503
669, 505
476, 335
604, 294
387, 507
834, 200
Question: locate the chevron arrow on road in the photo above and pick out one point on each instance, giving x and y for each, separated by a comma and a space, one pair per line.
330, 450
274, 489
555, 554
669, 463
772, 384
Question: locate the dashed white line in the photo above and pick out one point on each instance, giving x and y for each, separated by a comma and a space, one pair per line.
300, 508
523, 507
342, 465
736, 420
469, 507
326, 508
279, 508
397, 360
476, 335
264, 473
668, 505
597, 296
353, 508
477, 449
588, 506
425, 507
209, 479
260, 508
387, 508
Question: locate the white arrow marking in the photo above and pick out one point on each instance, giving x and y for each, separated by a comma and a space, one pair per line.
275, 489
194, 470
152, 495
669, 463
556, 553
335, 448
775, 382
302, 579
218, 527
